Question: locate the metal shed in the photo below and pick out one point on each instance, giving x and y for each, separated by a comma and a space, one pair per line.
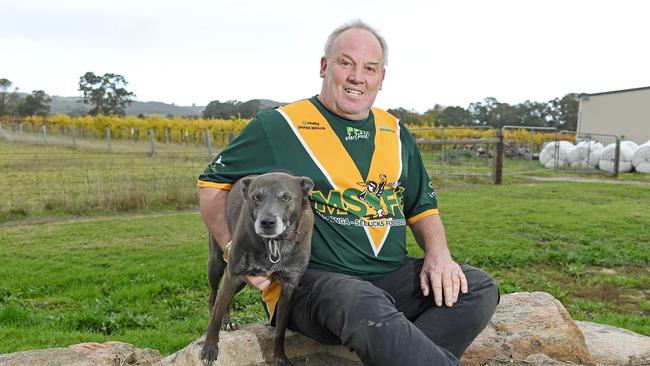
625, 113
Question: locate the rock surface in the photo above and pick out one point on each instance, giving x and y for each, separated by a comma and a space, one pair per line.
527, 329
253, 344
85, 354
615, 346
528, 324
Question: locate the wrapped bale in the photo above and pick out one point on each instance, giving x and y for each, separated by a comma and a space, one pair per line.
585, 155
548, 158
608, 157
641, 158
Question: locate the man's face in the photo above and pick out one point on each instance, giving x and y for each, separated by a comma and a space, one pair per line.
352, 74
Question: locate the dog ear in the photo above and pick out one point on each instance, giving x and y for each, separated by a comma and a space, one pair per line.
245, 182
306, 185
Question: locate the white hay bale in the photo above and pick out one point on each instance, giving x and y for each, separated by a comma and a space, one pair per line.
547, 156
585, 153
608, 156
641, 158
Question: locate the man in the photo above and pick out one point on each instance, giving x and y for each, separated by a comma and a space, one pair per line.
360, 290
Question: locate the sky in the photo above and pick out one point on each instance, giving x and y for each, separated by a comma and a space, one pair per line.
447, 52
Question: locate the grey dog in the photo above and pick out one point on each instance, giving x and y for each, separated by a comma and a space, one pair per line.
271, 221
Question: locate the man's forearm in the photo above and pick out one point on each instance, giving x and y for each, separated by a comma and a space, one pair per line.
212, 204
430, 235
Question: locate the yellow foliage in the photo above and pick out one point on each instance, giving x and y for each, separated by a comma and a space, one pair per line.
177, 129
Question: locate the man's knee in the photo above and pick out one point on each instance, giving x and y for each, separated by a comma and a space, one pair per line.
347, 306
483, 292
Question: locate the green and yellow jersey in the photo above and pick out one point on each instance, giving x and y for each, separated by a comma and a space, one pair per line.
369, 179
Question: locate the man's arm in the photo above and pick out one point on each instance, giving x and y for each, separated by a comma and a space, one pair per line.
212, 205
439, 270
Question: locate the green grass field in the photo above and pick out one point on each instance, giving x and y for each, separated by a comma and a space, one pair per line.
137, 274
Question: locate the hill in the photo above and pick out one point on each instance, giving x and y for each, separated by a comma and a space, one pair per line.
74, 106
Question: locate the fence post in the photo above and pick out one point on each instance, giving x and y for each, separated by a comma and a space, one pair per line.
497, 172
45, 133
442, 151
108, 137
74, 137
153, 151
208, 142
617, 156
167, 133
231, 136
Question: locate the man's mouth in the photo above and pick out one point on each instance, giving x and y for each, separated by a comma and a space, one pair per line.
353, 92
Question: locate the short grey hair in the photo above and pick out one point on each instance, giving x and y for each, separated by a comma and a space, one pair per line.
357, 24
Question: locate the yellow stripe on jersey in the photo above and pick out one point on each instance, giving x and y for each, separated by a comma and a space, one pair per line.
225, 186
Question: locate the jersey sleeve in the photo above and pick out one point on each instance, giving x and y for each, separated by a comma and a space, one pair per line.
249, 153
420, 198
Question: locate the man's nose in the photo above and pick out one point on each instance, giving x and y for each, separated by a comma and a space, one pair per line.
356, 75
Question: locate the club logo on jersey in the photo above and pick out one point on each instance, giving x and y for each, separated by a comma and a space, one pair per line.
356, 134
377, 203
214, 165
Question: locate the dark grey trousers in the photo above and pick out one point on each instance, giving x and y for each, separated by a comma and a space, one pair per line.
388, 321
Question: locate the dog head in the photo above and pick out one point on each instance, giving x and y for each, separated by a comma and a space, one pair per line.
275, 201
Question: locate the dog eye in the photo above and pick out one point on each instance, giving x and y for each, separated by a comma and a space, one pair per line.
257, 197
286, 198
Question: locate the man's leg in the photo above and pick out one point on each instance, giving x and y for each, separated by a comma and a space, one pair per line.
339, 309
451, 328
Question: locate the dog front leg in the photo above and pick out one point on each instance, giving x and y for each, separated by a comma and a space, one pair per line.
228, 288
216, 268
281, 321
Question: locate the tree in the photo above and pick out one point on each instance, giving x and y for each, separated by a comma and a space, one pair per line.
107, 94
563, 112
36, 104
231, 109
8, 100
454, 116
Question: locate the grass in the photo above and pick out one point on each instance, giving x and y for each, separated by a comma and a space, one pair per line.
141, 278
57, 181
105, 245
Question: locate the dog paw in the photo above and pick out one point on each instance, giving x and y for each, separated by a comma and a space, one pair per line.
229, 326
209, 353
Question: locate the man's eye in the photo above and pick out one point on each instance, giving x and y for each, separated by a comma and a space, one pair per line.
370, 70
344, 62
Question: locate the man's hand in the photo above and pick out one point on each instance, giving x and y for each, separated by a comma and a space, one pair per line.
259, 282
444, 276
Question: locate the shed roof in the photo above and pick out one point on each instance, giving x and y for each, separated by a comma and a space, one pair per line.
615, 91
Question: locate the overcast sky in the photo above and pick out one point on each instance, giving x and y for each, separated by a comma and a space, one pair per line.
450, 52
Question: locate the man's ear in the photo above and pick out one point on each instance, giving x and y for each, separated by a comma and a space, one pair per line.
323, 66
245, 182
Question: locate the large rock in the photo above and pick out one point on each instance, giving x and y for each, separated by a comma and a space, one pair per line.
253, 345
85, 354
527, 328
615, 346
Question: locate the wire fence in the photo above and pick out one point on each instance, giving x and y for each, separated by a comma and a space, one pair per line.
72, 171
516, 150
118, 139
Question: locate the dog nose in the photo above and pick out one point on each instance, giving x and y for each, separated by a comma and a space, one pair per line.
267, 223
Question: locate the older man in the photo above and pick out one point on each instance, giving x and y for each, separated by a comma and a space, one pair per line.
361, 289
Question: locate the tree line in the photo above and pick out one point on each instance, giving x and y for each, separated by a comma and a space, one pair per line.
561, 113
107, 95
